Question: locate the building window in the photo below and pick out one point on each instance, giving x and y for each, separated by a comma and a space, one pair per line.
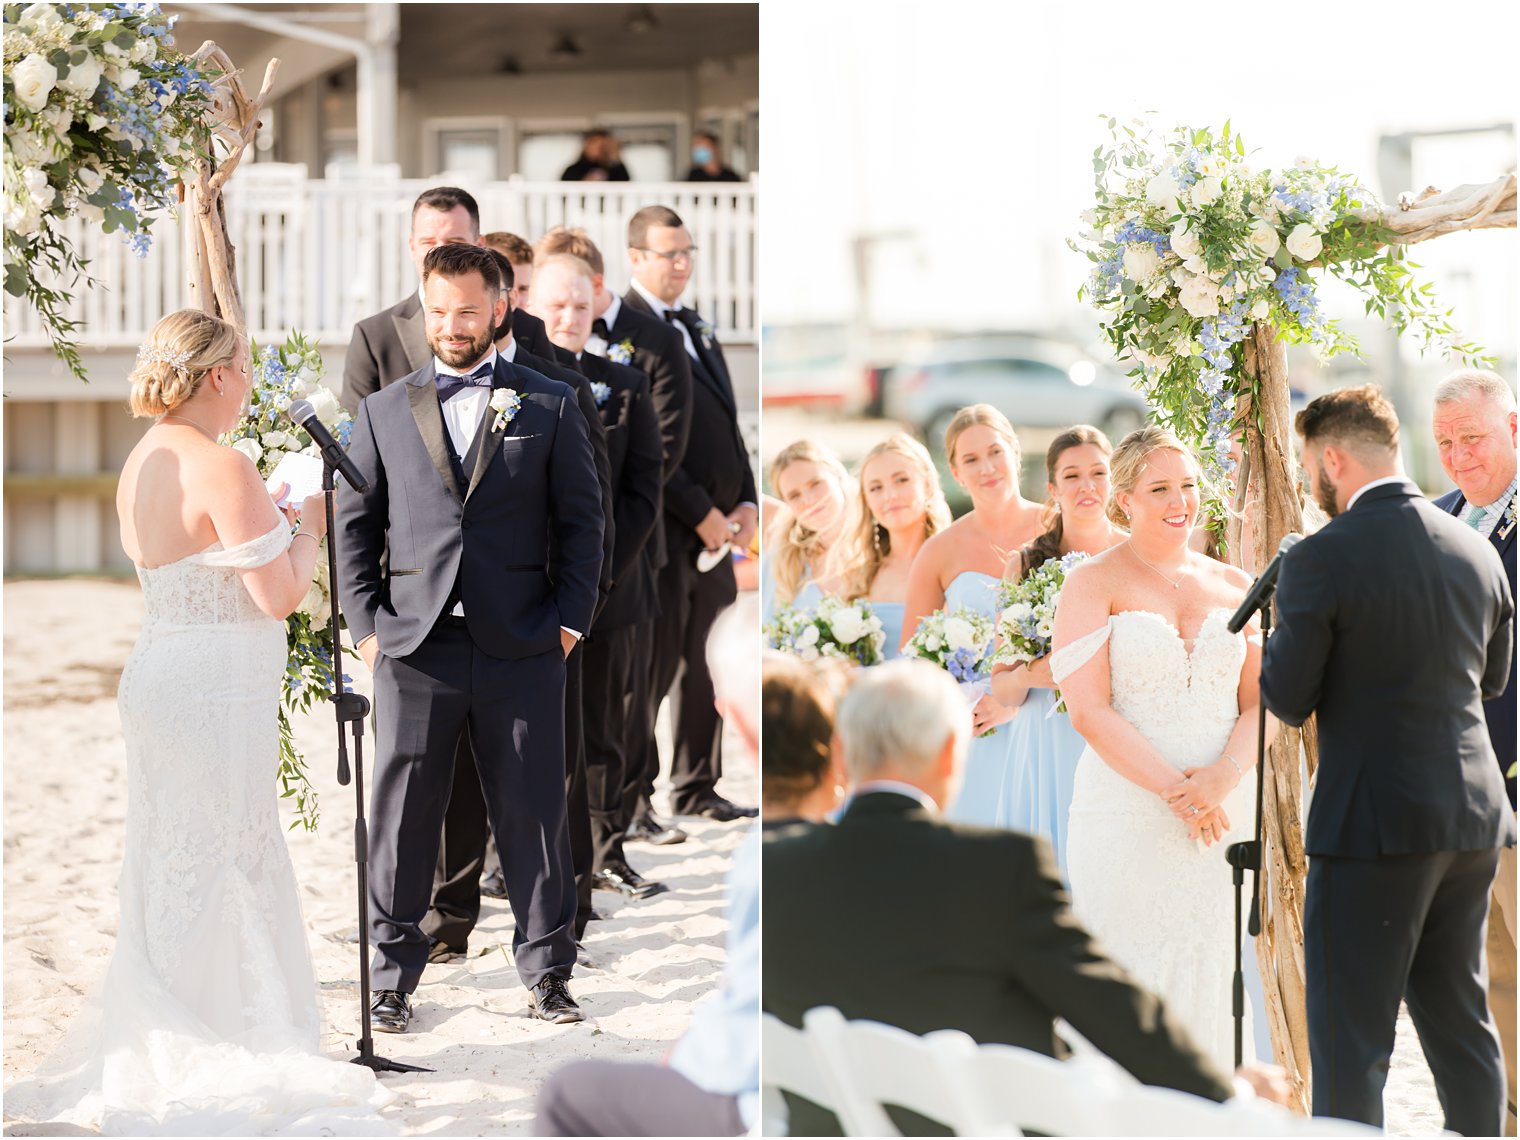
465, 146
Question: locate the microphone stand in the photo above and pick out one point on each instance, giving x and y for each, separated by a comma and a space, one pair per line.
1248, 856
352, 709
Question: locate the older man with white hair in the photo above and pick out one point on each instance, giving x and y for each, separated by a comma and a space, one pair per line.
896, 915
1474, 422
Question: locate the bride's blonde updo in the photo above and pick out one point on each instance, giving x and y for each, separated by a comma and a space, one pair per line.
1129, 460
175, 358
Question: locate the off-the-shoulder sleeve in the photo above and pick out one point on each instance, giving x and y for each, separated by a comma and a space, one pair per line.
252, 554
1069, 658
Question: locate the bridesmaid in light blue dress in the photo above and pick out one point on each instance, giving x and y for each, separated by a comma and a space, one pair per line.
962, 566
804, 528
1042, 747
901, 506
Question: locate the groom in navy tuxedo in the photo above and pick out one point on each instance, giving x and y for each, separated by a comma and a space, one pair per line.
1474, 425
1395, 622
468, 571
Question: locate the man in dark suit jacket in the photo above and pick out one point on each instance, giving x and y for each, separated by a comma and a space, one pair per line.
464, 855
391, 343
711, 500
1394, 623
625, 336
563, 297
1474, 423
883, 915
468, 571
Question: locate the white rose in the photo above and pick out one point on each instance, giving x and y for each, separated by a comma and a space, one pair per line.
1162, 190
1019, 611
1303, 243
1304, 162
33, 79
933, 644
113, 52
90, 179
144, 50
1200, 297
1184, 241
82, 78
37, 186
22, 220
326, 405
1205, 191
1260, 310
808, 652
275, 438
249, 447
41, 15
1264, 237
129, 79
809, 636
1150, 360
1140, 262
959, 634
848, 626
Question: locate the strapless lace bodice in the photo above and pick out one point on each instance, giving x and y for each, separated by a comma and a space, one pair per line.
205, 588
1183, 699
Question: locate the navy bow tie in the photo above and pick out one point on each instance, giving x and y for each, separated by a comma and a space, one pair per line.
451, 385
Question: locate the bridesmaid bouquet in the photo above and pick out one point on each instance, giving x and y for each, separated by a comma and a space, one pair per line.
1027, 613
846, 631
282, 375
959, 642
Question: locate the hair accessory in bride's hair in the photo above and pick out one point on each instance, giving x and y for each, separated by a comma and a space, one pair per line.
152, 354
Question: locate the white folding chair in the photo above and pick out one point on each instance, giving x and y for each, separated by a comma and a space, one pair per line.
874, 1065
789, 1061
1011, 1091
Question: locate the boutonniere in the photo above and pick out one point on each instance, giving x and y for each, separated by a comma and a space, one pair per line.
704, 330
622, 352
601, 391
505, 401
1507, 523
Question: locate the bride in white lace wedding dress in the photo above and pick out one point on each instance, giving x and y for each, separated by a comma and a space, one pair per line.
1169, 714
207, 1020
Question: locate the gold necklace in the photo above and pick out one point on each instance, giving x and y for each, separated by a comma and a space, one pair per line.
192, 423
1177, 585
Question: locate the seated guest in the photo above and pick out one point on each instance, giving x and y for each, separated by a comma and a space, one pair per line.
800, 771
885, 914
710, 1083
901, 506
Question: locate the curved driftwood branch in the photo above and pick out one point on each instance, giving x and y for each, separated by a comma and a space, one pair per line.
1432, 213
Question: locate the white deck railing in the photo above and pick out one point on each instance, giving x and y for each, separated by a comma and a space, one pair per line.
319, 255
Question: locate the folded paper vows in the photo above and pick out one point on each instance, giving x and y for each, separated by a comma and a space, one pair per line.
302, 472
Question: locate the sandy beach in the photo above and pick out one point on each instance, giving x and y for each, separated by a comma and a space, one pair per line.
64, 783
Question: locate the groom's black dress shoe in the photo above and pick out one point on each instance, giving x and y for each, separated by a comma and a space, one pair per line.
651, 830
391, 1011
550, 1000
724, 812
625, 880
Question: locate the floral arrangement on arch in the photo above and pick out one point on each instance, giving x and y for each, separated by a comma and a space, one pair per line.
281, 375
101, 118
845, 631
1191, 245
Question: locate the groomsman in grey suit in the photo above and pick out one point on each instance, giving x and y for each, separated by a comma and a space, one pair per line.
1474, 423
469, 571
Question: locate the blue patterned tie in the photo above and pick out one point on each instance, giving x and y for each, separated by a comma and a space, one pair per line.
1475, 519
451, 385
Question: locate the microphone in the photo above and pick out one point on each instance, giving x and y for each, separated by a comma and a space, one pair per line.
303, 415
1261, 589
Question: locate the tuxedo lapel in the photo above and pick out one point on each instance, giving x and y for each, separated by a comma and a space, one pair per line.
423, 394
412, 332
487, 441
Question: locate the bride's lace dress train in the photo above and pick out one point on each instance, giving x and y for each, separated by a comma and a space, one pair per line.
207, 1019
1161, 904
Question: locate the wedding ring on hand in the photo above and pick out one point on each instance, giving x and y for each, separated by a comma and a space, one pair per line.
1192, 809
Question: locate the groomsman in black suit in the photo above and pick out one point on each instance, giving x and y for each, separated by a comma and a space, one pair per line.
883, 914
1395, 622
527, 329
1474, 422
625, 336
466, 833
563, 294
710, 502
391, 343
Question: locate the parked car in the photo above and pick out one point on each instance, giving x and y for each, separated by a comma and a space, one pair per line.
1035, 382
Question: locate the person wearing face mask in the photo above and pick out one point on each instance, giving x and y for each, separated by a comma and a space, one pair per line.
707, 162
1042, 746
901, 507
795, 568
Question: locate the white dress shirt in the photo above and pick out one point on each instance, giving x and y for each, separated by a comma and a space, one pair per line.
596, 345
